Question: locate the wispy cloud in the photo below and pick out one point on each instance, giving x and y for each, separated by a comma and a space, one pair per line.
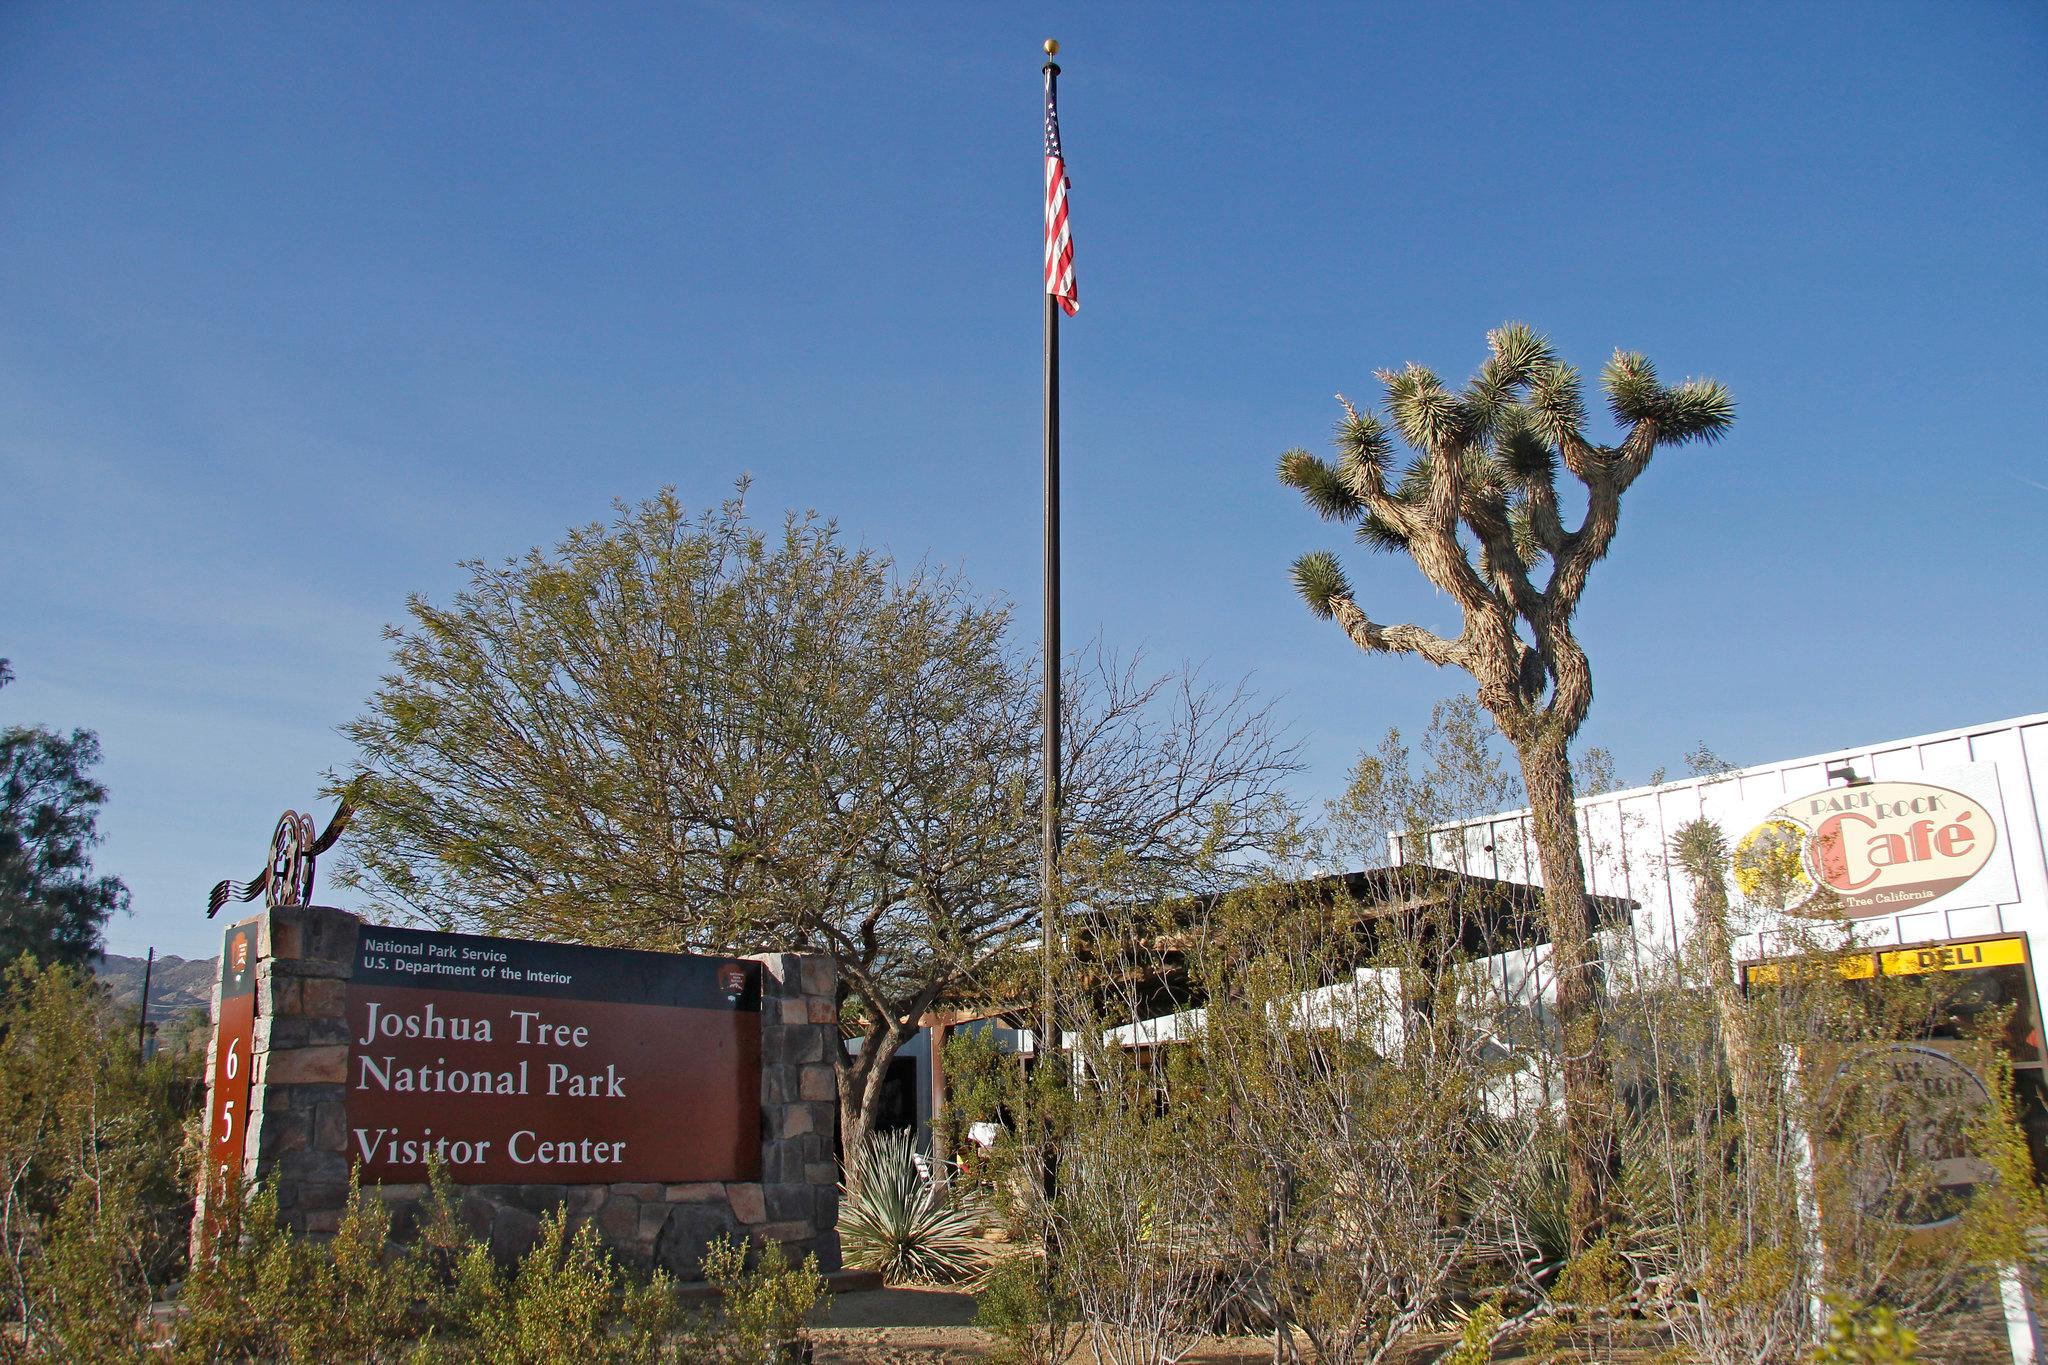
807, 24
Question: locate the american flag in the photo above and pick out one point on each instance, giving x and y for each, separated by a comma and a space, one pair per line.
1059, 242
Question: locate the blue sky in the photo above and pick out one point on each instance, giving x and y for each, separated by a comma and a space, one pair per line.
300, 305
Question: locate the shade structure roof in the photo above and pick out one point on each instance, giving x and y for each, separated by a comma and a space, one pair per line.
1148, 955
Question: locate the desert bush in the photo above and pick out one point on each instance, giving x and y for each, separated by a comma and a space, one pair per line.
95, 1200
1875, 1337
1475, 1338
259, 1293
763, 1300
1344, 1121
911, 1228
1021, 1306
1343, 1059
1112, 1169
980, 1080
1778, 1145
568, 1301
1131, 1220
1274, 1109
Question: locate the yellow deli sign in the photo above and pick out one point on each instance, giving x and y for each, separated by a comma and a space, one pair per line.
1933, 957
1953, 957
1879, 848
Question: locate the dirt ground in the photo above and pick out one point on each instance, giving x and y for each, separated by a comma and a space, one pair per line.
933, 1327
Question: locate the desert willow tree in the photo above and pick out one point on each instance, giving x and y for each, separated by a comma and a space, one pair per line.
1479, 510
683, 731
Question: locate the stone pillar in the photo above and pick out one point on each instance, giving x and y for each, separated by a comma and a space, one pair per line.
799, 1104
298, 1125
298, 1132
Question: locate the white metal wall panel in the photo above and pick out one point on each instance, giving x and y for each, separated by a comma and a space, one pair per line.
2029, 769
2000, 765
1943, 753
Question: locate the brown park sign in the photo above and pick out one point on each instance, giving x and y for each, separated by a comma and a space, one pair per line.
227, 1123
515, 1062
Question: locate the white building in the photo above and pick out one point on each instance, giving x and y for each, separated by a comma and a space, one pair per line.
1932, 846
1933, 839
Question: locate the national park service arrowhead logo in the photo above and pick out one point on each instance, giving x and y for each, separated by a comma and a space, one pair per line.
1862, 851
238, 961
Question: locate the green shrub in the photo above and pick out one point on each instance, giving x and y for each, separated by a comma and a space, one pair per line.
260, 1293
981, 1083
1475, 1340
94, 1177
1874, 1338
894, 1220
765, 1303
1030, 1327
569, 1301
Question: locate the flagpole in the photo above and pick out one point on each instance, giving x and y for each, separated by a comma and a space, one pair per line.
1049, 829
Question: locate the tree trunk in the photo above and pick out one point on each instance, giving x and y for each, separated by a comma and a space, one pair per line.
860, 1079
942, 1130
855, 1114
1593, 1159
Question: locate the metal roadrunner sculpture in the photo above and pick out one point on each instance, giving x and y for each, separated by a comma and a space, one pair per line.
287, 879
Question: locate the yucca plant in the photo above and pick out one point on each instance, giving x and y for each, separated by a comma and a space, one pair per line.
893, 1219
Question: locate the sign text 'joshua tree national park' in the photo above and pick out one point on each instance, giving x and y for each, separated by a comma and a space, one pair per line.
519, 1062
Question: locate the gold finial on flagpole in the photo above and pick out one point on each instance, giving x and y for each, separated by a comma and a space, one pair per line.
1052, 47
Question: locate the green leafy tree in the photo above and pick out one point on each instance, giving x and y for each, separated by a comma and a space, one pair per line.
1477, 507
51, 904
685, 732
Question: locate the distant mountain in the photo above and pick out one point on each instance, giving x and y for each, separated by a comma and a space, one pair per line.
177, 985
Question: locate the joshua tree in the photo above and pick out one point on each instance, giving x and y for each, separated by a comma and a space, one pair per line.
1477, 509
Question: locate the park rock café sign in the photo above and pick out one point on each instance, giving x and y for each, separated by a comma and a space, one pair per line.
1880, 848
514, 1062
